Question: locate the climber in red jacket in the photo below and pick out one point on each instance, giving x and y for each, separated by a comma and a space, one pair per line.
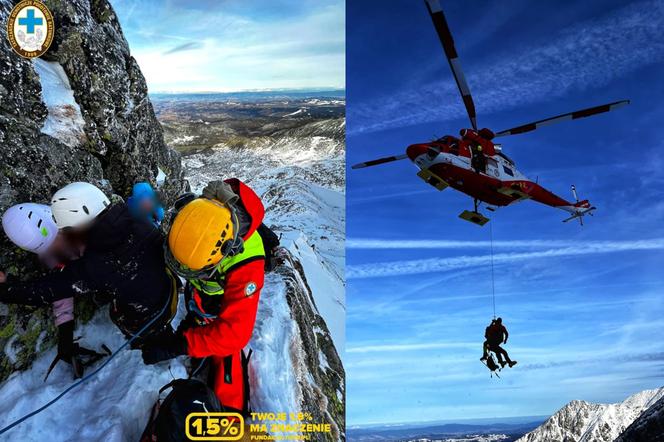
214, 243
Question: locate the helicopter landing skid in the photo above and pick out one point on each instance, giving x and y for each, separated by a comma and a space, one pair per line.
474, 217
432, 179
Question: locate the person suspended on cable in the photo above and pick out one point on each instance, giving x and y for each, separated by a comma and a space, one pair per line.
121, 262
31, 227
496, 334
218, 244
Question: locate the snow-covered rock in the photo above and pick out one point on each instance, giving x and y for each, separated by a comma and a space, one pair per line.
64, 120
581, 421
649, 427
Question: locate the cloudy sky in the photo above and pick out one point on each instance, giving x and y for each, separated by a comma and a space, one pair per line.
583, 305
231, 45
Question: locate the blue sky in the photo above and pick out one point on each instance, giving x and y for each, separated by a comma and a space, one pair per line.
584, 306
231, 45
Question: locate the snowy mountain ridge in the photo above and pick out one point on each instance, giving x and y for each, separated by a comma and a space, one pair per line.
581, 421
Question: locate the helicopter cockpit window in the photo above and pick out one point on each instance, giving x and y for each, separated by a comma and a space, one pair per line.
508, 171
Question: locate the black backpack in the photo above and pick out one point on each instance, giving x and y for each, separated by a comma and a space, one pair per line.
491, 363
167, 420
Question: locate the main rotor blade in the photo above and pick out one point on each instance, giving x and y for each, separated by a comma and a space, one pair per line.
379, 161
445, 36
568, 116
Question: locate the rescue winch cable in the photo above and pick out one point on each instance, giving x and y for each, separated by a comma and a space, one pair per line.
88, 376
493, 278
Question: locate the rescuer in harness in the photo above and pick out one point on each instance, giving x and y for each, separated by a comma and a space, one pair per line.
478, 160
218, 244
496, 334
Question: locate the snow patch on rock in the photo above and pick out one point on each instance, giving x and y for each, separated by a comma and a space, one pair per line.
161, 177
65, 121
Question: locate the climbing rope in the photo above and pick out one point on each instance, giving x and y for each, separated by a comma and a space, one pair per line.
88, 376
493, 278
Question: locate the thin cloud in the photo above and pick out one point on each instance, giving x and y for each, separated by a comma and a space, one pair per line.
189, 46
412, 267
367, 243
586, 55
409, 347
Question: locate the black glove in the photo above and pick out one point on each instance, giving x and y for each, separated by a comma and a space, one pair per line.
168, 346
220, 191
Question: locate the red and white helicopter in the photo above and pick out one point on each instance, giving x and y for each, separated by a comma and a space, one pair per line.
473, 163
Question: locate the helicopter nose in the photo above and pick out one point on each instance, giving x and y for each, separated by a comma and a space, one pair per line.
415, 150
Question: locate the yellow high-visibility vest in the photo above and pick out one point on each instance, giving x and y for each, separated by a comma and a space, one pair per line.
253, 249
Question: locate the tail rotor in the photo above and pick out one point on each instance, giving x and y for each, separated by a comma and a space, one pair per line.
580, 208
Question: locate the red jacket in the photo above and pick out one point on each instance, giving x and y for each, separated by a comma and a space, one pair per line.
231, 331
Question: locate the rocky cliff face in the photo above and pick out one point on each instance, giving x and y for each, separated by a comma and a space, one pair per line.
320, 373
581, 421
80, 113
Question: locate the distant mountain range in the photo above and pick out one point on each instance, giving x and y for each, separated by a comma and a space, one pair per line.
468, 431
639, 418
252, 96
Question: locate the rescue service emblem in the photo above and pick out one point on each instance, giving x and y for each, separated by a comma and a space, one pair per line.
30, 28
250, 288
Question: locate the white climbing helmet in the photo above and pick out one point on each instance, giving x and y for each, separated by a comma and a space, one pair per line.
30, 226
77, 204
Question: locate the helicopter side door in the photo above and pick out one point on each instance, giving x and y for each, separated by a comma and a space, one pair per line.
492, 168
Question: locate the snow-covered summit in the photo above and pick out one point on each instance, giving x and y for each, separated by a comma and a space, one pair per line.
581, 421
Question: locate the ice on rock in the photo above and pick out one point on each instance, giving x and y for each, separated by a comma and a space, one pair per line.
64, 120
